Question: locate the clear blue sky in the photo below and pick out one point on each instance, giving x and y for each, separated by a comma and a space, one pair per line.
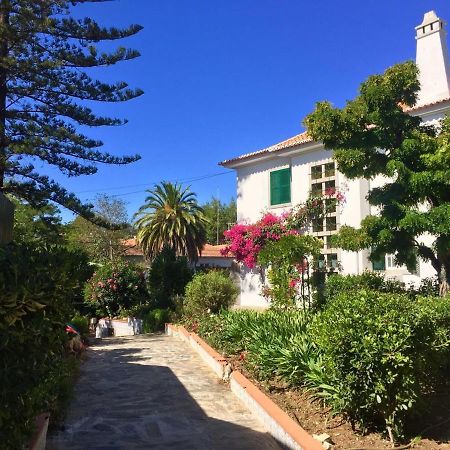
223, 78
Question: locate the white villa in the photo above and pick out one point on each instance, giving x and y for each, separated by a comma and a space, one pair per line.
282, 175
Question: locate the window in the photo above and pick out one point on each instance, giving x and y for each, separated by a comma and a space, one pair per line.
316, 189
390, 263
330, 205
317, 225
321, 262
330, 223
332, 261
280, 186
329, 170
316, 172
330, 185
379, 264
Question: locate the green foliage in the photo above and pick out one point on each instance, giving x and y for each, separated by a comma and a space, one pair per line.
101, 242
272, 344
46, 92
114, 286
167, 277
337, 284
380, 351
372, 281
155, 320
37, 227
81, 323
171, 217
369, 355
38, 287
285, 259
209, 292
414, 159
220, 216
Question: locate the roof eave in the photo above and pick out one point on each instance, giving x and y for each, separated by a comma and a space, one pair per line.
297, 149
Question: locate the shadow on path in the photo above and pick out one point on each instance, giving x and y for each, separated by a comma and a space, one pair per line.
126, 399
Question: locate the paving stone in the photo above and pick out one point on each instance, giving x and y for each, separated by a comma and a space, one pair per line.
154, 392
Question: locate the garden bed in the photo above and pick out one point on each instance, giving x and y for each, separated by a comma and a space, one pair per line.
310, 414
316, 419
433, 426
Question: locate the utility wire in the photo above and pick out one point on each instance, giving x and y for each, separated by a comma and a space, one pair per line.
187, 180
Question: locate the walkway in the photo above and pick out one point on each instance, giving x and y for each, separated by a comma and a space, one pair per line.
153, 392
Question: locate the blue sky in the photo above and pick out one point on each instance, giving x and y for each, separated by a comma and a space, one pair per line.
223, 78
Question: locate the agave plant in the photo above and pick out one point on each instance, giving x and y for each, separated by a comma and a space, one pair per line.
171, 217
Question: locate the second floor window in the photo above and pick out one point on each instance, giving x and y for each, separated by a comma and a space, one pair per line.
280, 186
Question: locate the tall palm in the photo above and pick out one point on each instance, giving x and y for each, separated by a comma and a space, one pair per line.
171, 217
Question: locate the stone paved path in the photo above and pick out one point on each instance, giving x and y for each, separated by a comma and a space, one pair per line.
153, 392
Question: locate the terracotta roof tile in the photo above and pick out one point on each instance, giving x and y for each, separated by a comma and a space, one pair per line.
298, 139
209, 251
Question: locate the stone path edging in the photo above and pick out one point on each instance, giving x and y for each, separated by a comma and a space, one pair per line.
277, 422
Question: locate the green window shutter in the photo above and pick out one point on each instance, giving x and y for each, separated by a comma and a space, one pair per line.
280, 186
379, 264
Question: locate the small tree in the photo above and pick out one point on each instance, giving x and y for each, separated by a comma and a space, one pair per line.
167, 277
374, 135
102, 242
220, 216
43, 92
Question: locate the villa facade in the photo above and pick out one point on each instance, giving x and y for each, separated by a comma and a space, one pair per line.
283, 175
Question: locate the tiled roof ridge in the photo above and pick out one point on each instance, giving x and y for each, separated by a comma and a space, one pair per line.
304, 138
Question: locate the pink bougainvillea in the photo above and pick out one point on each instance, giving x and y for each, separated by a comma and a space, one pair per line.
245, 241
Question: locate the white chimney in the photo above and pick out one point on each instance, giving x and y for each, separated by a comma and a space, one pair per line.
432, 59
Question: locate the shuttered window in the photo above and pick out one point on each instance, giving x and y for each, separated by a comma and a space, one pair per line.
379, 264
280, 186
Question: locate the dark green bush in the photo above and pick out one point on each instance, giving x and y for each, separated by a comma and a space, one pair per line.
155, 320
335, 284
167, 278
380, 352
209, 292
37, 288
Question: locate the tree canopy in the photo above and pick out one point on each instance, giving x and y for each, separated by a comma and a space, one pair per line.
171, 217
46, 94
102, 242
376, 135
220, 216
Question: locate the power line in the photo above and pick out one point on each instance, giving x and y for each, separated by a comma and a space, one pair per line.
188, 180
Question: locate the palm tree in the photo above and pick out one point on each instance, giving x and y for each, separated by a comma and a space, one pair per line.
171, 217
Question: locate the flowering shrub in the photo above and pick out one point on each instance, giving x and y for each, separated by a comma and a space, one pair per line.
288, 267
246, 241
114, 286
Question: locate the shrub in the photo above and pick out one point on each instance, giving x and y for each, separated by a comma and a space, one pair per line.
37, 288
81, 324
211, 291
335, 284
380, 351
155, 320
114, 286
167, 278
273, 343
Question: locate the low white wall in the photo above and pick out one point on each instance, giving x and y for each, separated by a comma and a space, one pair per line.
125, 327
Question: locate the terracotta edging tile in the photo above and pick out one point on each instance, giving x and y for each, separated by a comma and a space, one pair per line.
295, 431
300, 436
